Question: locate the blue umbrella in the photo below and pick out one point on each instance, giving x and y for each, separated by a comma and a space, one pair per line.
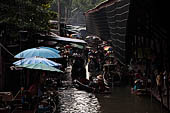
52, 49
41, 52
40, 66
35, 60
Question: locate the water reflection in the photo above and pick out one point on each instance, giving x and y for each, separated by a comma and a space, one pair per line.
74, 101
120, 101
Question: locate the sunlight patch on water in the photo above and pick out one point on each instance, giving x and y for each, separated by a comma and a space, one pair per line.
74, 101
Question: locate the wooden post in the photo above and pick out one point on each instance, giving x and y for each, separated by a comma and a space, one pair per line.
137, 45
66, 15
168, 74
59, 17
167, 86
1, 76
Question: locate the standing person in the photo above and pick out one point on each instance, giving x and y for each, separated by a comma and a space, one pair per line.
106, 75
132, 78
153, 79
164, 82
74, 70
86, 55
82, 70
159, 83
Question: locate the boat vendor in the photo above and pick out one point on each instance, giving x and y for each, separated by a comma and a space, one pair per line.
138, 85
2, 103
102, 87
78, 69
30, 96
106, 74
33, 89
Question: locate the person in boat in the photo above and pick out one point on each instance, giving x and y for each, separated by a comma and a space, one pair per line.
33, 89
106, 75
138, 75
82, 75
2, 103
75, 69
101, 86
32, 92
159, 78
132, 78
26, 100
138, 86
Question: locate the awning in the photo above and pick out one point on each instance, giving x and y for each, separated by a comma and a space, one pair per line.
77, 46
59, 38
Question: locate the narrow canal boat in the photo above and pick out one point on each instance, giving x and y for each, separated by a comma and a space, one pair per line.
90, 87
82, 86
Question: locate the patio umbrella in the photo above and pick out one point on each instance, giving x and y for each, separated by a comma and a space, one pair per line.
35, 60
108, 48
67, 46
41, 52
52, 49
77, 46
39, 66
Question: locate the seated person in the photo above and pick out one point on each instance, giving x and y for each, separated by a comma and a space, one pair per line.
33, 89
2, 103
26, 100
137, 85
101, 84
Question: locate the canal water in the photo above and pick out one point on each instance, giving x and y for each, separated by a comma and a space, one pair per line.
120, 100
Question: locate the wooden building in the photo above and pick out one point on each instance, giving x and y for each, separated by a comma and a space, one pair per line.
138, 29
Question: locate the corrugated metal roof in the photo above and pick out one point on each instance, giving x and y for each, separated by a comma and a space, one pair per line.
102, 5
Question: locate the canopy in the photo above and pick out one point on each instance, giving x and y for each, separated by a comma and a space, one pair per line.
52, 49
108, 48
35, 60
41, 52
59, 38
40, 66
77, 46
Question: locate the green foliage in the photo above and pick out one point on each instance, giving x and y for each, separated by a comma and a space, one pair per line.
34, 14
72, 6
82, 4
85, 5
26, 14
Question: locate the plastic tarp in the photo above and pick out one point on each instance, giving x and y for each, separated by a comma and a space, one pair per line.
59, 38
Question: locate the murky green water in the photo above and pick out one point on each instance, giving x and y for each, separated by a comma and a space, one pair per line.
119, 101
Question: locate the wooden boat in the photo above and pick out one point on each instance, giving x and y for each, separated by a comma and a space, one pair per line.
82, 86
45, 107
37, 107
5, 99
140, 92
4, 110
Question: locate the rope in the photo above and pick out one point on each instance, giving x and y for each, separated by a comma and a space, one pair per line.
6, 50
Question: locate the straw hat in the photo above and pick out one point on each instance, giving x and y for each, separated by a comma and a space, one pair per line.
100, 77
